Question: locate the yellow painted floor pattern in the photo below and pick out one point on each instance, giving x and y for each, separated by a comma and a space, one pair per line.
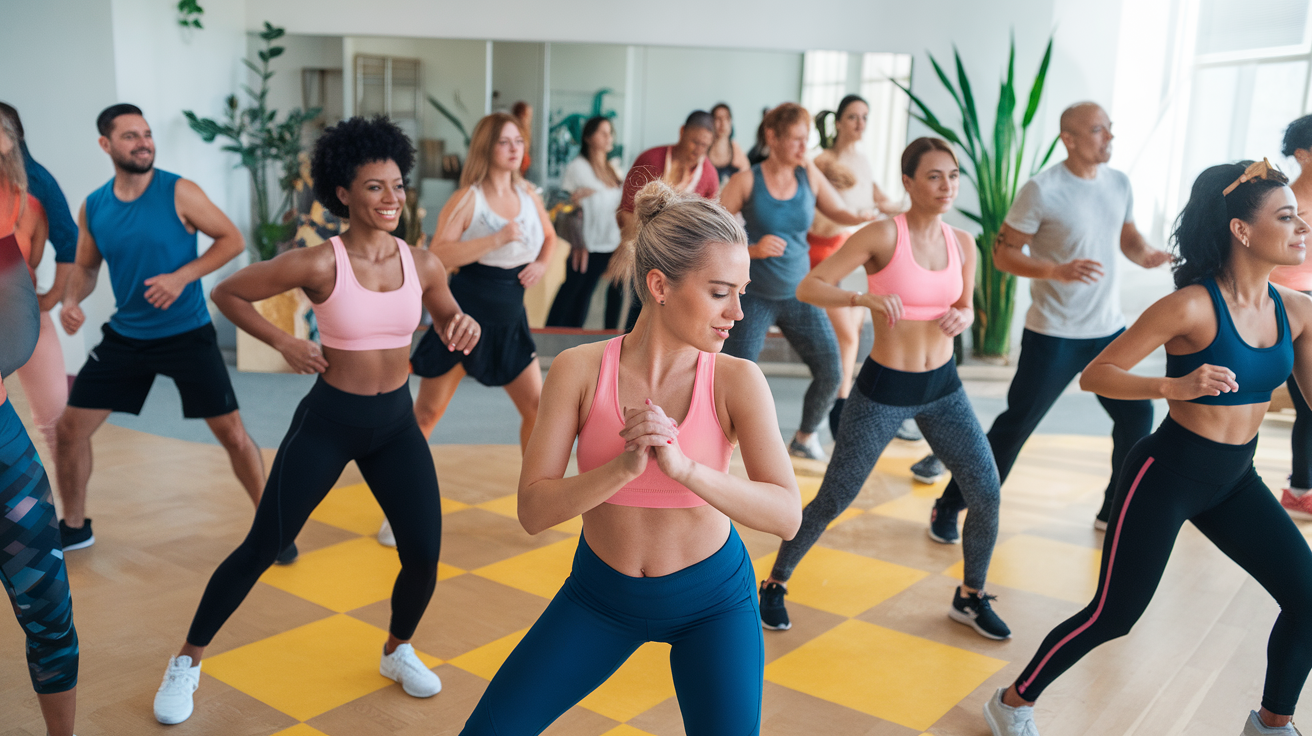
872, 651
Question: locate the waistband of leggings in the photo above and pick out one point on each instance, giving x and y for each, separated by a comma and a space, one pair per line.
1193, 456
490, 273
357, 410
695, 589
884, 385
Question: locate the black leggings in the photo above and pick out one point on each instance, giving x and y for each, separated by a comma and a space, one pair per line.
1300, 440
1170, 477
329, 429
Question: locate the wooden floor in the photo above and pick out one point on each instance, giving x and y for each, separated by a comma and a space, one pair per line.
872, 651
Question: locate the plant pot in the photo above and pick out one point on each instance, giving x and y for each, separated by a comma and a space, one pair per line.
287, 312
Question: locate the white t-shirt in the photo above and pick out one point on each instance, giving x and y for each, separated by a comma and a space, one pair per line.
1074, 218
601, 232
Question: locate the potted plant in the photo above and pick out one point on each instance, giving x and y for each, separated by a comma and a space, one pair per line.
996, 161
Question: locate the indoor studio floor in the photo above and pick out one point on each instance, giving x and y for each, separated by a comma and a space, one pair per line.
872, 651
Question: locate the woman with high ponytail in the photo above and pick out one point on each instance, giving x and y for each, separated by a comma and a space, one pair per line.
1230, 338
659, 559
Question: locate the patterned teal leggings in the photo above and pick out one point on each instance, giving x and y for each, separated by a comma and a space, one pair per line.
32, 561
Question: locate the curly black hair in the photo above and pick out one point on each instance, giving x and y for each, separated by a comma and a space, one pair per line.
1202, 236
345, 147
1297, 135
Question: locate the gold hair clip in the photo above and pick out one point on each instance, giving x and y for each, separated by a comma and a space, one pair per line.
1256, 170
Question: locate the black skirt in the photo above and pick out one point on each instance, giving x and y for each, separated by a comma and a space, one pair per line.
495, 299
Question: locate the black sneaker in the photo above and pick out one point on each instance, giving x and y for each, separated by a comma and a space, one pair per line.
1104, 514
79, 538
976, 612
943, 523
773, 614
287, 556
928, 470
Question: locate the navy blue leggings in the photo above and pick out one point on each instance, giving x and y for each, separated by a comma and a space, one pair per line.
708, 612
32, 560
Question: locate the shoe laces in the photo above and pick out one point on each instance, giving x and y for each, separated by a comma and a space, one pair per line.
772, 589
984, 599
176, 677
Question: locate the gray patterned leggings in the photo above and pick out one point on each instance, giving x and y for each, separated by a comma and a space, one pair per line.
954, 434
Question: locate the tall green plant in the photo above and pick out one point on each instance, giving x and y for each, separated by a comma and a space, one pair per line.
996, 162
267, 148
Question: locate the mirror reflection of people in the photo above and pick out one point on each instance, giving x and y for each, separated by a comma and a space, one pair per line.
725, 154
594, 182
1231, 337
778, 198
659, 558
523, 112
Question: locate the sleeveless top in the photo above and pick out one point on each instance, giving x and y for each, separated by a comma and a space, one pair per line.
486, 222
139, 240
777, 277
356, 318
926, 295
1258, 371
700, 436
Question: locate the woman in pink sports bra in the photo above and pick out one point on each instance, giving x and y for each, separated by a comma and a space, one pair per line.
368, 289
659, 559
919, 273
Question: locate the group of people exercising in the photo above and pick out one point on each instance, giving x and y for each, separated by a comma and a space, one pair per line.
657, 412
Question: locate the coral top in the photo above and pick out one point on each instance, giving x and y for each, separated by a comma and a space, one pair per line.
926, 295
355, 318
700, 436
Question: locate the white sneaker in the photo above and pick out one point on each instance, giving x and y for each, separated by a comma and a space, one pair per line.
1005, 720
1255, 727
811, 449
173, 700
403, 665
385, 535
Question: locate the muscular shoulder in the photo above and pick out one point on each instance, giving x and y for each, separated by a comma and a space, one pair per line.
1298, 306
186, 191
738, 379
578, 366
427, 264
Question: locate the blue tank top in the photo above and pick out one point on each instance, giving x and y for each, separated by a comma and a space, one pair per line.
141, 239
778, 277
1258, 371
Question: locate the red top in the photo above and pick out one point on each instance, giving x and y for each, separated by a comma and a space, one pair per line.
651, 165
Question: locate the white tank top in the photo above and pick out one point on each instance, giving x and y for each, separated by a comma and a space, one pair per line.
486, 222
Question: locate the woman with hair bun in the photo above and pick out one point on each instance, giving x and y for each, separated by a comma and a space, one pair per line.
1230, 338
659, 559
369, 289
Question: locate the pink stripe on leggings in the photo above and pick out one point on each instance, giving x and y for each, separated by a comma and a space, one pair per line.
1107, 579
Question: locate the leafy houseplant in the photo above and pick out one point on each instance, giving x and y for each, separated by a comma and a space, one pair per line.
995, 167
565, 136
266, 147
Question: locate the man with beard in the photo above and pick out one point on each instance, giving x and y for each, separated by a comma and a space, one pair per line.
143, 223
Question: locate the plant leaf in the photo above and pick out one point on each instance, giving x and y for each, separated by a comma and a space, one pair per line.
1040, 163
971, 118
1036, 92
971, 216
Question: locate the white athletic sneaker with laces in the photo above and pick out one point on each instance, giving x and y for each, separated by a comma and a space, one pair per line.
385, 535
1255, 727
173, 699
404, 666
1005, 720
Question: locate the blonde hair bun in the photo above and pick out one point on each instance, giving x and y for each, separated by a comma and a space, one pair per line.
673, 233
655, 198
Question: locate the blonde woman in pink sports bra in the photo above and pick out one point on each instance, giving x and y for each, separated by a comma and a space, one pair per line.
368, 289
659, 559
921, 278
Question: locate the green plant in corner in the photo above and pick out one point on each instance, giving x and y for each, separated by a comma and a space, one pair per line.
996, 162
189, 13
267, 147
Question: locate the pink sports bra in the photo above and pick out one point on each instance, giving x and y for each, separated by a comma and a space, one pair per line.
355, 318
926, 295
700, 436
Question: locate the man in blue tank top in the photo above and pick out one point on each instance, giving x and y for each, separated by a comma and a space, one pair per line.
143, 223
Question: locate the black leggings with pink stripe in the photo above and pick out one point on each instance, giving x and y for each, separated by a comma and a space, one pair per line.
1170, 477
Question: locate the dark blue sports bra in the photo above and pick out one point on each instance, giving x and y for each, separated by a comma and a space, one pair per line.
1258, 371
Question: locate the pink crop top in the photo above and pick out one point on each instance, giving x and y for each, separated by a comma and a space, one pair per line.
355, 318
700, 436
926, 295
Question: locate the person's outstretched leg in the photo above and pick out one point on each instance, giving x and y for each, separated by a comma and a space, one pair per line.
243, 453
45, 382
73, 458
526, 392
435, 396
1300, 440
808, 330
718, 669
1131, 422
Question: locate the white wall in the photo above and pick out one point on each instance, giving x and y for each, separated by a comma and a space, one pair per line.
301, 52
519, 73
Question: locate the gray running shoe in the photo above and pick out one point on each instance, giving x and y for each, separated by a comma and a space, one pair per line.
909, 431
928, 470
1005, 720
810, 449
1255, 727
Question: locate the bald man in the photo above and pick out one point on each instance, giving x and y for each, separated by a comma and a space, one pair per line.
1073, 216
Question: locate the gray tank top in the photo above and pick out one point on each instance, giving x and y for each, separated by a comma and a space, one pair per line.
778, 277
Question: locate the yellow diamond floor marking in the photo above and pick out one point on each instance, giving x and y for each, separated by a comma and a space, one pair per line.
508, 506
487, 659
809, 486
354, 509
345, 576
335, 660
541, 571
884, 673
640, 684
913, 507
841, 582
850, 513
1043, 566
301, 729
625, 730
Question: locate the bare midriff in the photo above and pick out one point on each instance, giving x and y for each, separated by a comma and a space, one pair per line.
641, 542
367, 372
910, 346
1229, 425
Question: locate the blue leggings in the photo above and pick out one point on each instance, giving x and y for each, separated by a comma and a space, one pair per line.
707, 611
32, 560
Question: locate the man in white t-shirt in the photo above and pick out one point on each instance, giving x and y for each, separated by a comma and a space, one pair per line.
1074, 216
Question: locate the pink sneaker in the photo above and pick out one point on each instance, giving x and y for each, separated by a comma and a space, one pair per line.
1298, 508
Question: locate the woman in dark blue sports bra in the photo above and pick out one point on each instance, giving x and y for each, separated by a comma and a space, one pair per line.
1231, 337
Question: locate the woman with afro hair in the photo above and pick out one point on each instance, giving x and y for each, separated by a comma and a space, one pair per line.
368, 288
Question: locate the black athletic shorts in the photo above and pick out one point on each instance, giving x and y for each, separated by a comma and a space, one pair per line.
120, 370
